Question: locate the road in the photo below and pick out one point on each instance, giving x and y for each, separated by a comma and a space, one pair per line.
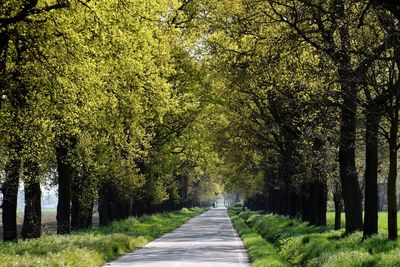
208, 240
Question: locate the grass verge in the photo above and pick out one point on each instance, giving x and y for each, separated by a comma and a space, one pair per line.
261, 252
95, 246
303, 245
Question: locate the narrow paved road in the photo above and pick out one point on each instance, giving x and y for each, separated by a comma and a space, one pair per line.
207, 240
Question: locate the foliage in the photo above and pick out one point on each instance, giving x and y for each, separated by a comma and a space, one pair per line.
111, 91
147, 106
93, 247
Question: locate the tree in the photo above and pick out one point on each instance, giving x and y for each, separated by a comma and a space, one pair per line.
328, 20
15, 90
275, 108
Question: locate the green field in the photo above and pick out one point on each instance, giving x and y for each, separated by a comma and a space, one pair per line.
92, 247
288, 242
382, 220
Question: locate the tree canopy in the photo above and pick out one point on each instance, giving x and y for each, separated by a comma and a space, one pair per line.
137, 107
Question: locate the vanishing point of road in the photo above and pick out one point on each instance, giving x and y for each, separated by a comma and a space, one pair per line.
208, 240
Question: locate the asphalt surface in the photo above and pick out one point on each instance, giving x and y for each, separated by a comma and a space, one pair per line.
207, 240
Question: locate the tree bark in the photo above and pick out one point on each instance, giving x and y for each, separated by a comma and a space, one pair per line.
305, 203
337, 199
32, 226
318, 202
10, 196
371, 172
87, 216
347, 158
273, 198
392, 177
82, 199
81, 214
107, 204
293, 200
75, 210
184, 191
104, 201
319, 187
391, 194
65, 174
288, 196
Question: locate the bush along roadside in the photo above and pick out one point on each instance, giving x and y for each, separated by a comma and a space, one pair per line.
261, 252
303, 245
95, 246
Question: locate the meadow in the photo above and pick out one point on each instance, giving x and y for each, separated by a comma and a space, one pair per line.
382, 220
92, 247
279, 241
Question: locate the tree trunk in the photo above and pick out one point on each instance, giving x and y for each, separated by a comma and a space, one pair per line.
82, 199
123, 208
32, 226
75, 211
10, 196
87, 216
391, 194
107, 204
337, 199
347, 158
267, 189
114, 207
318, 189
81, 214
371, 173
288, 197
293, 200
283, 200
274, 193
392, 177
305, 202
104, 201
317, 203
65, 173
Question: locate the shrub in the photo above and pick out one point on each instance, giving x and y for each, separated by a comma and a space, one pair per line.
245, 215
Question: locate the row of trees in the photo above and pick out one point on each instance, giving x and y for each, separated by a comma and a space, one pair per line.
102, 99
311, 96
146, 106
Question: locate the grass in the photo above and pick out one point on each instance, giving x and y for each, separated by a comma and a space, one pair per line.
382, 220
92, 247
300, 244
261, 252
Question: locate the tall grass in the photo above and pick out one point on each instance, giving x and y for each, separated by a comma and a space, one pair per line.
261, 252
303, 245
92, 247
